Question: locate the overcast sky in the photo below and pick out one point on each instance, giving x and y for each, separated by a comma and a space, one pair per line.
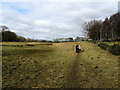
50, 19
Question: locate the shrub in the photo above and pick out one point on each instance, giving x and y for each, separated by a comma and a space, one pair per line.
114, 49
103, 46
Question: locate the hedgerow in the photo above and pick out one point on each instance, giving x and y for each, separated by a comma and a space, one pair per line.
114, 49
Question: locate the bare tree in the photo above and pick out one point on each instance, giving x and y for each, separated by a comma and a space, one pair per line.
92, 29
4, 28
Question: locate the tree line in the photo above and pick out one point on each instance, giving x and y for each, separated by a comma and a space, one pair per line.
107, 30
9, 36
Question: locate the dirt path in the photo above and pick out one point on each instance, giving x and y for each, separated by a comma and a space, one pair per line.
73, 78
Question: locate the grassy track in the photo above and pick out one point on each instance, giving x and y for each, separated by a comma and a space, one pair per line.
57, 65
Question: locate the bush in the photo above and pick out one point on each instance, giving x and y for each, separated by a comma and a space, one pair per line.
103, 46
114, 49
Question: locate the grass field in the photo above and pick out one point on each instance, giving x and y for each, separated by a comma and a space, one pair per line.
111, 43
58, 66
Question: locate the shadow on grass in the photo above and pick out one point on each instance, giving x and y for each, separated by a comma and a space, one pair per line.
32, 51
27, 52
74, 75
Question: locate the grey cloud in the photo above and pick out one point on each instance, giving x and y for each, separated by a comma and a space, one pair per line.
52, 20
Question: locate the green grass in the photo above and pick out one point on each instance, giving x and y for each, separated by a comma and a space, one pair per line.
111, 43
58, 66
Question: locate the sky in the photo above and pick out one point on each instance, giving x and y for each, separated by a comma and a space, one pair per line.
50, 19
